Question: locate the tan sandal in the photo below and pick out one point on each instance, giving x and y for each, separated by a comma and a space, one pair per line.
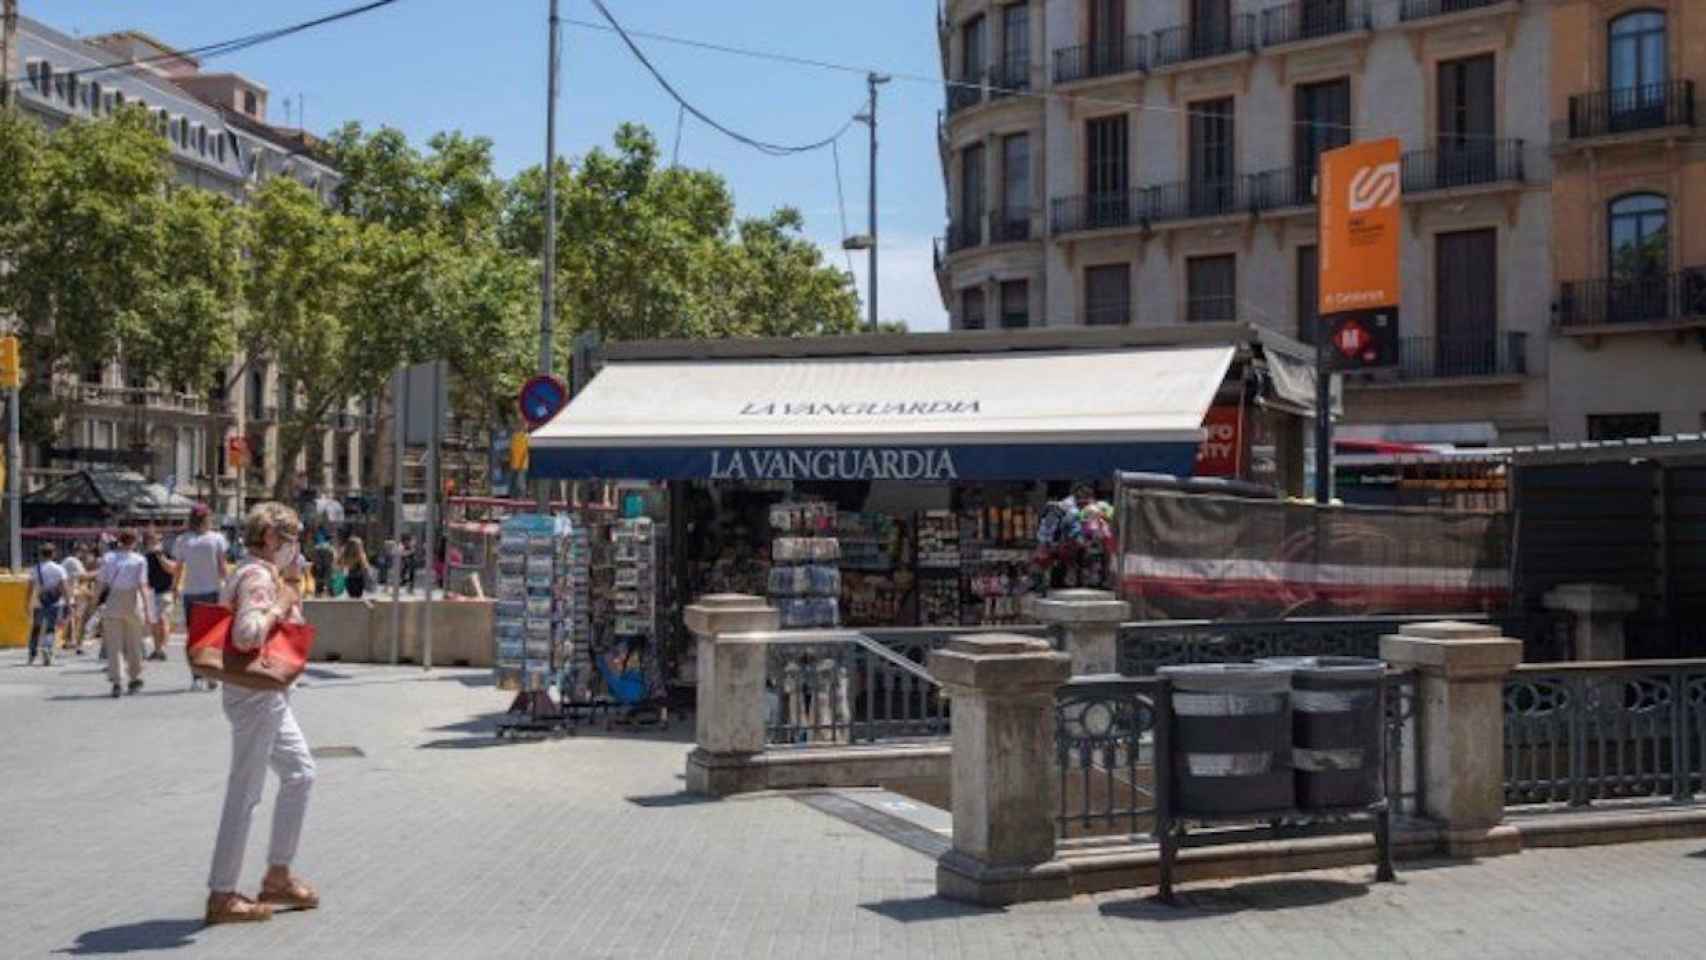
294, 894
235, 908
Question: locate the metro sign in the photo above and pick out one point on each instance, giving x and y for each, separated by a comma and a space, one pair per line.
1363, 339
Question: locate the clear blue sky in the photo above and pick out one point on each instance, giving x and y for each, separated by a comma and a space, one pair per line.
429, 65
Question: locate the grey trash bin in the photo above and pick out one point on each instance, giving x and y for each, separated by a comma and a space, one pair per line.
1231, 739
1336, 729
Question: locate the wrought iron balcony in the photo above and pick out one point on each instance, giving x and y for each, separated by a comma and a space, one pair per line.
1010, 76
966, 92
1281, 189
1103, 59
1198, 198
963, 236
1099, 211
1423, 9
1201, 41
1010, 225
1443, 358
1468, 164
1653, 106
1659, 298
1312, 20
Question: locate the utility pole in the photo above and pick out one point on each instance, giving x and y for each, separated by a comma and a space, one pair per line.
8, 30
548, 270
873, 80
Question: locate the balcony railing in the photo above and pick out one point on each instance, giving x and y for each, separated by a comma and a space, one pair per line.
1659, 298
1105, 211
1280, 189
1103, 59
95, 394
966, 92
1423, 9
1653, 106
1185, 201
1200, 41
1107, 314
1312, 20
1486, 355
1010, 76
1463, 165
964, 235
1010, 225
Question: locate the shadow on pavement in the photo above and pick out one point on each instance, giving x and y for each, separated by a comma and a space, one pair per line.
665, 800
477, 743
135, 938
1697, 855
1220, 901
924, 909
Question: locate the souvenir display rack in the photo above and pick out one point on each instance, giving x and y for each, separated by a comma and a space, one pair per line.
805, 572
534, 616
997, 546
875, 574
626, 664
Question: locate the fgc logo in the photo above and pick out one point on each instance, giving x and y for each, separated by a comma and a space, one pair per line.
1374, 187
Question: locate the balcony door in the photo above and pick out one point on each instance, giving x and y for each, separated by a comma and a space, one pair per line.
1638, 290
1466, 298
1014, 219
1015, 73
1107, 179
1212, 167
1321, 121
1107, 36
1211, 27
1637, 69
972, 192
1468, 121
974, 49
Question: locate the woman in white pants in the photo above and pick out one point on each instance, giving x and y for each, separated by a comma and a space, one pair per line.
263, 732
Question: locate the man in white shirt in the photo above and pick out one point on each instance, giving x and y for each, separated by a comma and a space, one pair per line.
47, 599
202, 567
126, 615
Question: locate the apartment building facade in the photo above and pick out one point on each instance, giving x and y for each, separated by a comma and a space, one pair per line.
220, 141
1629, 205
1124, 162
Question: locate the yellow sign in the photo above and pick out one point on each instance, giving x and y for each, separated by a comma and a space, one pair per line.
518, 454
11, 374
1361, 189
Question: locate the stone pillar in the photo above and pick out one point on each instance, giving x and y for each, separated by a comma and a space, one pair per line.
729, 718
1598, 611
1005, 788
1460, 717
1089, 622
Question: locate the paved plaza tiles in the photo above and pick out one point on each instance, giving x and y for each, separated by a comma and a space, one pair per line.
432, 839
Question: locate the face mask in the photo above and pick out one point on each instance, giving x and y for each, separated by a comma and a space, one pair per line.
286, 555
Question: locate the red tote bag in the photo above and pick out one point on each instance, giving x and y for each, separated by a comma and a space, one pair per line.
275, 666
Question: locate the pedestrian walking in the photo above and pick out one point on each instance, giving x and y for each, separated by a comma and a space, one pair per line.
46, 602
126, 610
264, 732
407, 555
76, 596
358, 573
387, 556
162, 575
202, 567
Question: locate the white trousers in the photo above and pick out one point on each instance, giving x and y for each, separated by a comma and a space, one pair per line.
263, 733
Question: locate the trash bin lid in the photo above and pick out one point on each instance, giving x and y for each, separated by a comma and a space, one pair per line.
1334, 668
1228, 677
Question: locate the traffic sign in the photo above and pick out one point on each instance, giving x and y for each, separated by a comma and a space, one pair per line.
11, 372
541, 398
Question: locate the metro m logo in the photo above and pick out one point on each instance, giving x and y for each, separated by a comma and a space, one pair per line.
1374, 187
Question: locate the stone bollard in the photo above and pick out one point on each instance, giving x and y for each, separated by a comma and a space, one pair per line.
1597, 611
1005, 790
1089, 622
729, 717
1460, 719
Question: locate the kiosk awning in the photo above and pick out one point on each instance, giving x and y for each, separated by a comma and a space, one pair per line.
928, 418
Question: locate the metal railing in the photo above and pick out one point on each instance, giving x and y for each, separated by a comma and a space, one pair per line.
1312, 20
1198, 198
1660, 298
833, 687
1576, 733
1010, 225
963, 235
1145, 646
1464, 165
1105, 754
965, 92
1423, 9
1106, 58
1652, 106
1103, 211
100, 395
1491, 355
1281, 189
1200, 41
1009, 77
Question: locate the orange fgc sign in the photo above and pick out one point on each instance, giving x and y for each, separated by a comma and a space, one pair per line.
1361, 188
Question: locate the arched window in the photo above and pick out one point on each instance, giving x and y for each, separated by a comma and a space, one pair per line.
1637, 50
1639, 258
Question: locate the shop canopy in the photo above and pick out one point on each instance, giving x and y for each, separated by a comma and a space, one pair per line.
938, 418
